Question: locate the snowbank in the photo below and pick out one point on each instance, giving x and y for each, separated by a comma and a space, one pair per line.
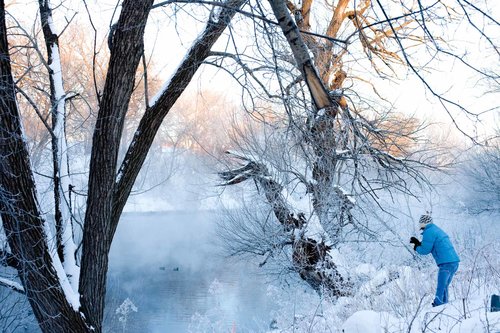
368, 321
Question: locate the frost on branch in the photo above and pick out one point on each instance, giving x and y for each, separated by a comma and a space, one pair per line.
249, 170
124, 311
310, 248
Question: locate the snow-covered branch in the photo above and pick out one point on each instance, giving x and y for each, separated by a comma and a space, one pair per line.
66, 247
11, 285
310, 245
161, 104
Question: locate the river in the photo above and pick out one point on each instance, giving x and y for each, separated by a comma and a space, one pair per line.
168, 265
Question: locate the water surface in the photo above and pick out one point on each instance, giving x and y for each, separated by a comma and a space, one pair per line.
169, 266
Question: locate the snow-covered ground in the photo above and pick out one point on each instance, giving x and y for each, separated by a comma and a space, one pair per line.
393, 287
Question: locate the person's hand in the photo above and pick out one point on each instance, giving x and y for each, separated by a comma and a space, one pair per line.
415, 243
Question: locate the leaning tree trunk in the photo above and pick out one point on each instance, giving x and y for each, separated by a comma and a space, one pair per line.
127, 47
321, 135
311, 258
25, 229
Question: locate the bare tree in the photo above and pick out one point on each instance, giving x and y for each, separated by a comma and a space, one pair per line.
345, 155
58, 305
352, 147
481, 183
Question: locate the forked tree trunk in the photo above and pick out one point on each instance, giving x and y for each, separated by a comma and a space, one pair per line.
127, 47
109, 190
310, 257
56, 306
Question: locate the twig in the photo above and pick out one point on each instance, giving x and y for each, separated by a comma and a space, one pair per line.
94, 56
245, 13
416, 312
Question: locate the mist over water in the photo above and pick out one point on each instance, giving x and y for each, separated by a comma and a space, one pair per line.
168, 265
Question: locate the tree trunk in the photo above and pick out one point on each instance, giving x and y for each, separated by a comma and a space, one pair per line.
153, 117
322, 135
24, 227
62, 212
311, 259
126, 50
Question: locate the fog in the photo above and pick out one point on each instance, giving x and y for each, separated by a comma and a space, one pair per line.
171, 269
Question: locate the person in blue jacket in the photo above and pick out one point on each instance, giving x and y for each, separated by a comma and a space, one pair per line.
437, 242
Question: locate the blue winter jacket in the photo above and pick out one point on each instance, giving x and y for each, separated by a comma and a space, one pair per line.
437, 242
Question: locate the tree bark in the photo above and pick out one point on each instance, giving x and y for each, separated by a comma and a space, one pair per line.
126, 51
22, 221
319, 94
62, 211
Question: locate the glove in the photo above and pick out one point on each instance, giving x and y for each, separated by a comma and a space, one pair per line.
416, 243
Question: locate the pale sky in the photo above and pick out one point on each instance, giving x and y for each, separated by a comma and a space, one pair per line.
167, 40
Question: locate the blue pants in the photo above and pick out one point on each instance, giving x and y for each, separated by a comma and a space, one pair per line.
445, 274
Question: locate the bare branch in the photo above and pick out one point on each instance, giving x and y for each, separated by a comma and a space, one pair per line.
443, 100
8, 260
12, 285
161, 105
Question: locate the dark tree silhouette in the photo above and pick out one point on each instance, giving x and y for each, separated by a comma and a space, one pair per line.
59, 305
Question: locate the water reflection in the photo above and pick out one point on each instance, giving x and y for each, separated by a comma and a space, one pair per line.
168, 266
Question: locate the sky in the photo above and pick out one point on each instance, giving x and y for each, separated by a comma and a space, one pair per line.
167, 41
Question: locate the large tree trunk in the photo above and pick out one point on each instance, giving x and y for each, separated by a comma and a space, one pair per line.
311, 259
153, 117
126, 51
25, 228
321, 135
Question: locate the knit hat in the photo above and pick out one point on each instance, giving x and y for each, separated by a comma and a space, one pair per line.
424, 220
